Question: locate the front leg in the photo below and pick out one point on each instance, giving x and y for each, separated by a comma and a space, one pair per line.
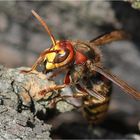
46, 91
52, 102
39, 60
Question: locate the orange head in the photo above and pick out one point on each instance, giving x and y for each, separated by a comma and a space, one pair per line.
63, 56
60, 53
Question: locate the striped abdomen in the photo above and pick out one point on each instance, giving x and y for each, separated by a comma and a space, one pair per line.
93, 109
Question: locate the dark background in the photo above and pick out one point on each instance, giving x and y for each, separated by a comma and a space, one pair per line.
22, 39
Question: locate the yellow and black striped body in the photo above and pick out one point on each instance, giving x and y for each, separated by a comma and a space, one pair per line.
93, 109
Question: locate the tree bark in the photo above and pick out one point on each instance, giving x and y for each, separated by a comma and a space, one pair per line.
17, 120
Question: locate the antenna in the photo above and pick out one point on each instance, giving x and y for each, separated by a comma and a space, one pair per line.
43, 23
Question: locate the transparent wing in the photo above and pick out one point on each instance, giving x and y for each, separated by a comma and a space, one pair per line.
123, 85
85, 92
107, 38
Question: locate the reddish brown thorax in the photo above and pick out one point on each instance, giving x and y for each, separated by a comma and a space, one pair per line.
80, 58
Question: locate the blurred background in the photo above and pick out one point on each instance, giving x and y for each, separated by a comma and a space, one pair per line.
22, 39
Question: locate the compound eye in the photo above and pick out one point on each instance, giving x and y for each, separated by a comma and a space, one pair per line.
60, 57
